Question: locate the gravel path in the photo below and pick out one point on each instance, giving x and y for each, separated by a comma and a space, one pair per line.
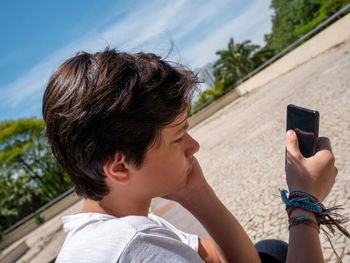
242, 145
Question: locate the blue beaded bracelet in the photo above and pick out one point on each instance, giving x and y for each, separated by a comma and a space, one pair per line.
301, 202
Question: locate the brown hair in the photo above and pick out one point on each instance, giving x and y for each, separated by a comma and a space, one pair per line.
96, 105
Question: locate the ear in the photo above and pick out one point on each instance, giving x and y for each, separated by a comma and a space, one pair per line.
117, 170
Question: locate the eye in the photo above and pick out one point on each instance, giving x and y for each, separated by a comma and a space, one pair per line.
180, 139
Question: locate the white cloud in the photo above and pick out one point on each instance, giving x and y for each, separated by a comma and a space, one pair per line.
151, 26
250, 21
128, 33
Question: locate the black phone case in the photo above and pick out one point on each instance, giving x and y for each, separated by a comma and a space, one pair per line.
316, 118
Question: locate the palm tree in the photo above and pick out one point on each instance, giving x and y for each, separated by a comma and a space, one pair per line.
235, 62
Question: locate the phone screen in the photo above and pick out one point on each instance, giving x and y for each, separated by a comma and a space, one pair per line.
305, 123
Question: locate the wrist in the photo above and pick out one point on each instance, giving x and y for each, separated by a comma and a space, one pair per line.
298, 212
313, 193
198, 200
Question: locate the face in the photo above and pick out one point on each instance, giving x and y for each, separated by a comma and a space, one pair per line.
165, 168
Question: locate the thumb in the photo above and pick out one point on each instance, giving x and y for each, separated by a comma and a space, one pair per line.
292, 144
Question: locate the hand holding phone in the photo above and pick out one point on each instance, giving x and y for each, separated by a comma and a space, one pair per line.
315, 175
305, 123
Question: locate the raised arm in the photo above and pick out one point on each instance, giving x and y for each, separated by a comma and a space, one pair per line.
315, 176
231, 243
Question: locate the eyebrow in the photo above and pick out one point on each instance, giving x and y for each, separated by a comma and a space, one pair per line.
183, 128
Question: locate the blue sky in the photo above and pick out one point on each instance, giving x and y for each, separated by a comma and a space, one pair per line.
37, 36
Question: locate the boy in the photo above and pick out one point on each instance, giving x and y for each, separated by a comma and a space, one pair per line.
117, 124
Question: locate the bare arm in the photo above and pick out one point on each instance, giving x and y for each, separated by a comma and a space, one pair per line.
304, 243
316, 176
231, 241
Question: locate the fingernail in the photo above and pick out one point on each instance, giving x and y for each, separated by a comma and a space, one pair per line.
290, 133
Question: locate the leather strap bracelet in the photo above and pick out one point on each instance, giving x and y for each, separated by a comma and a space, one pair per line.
294, 221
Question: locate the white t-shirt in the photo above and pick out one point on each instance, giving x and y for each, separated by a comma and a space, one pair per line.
94, 237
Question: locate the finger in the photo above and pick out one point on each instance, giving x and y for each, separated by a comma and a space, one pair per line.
324, 144
292, 144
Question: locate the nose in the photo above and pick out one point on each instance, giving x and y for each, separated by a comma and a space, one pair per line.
192, 147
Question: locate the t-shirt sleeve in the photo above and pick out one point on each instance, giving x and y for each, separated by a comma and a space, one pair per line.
187, 238
158, 246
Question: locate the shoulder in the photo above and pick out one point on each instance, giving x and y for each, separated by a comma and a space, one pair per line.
104, 238
99, 238
160, 244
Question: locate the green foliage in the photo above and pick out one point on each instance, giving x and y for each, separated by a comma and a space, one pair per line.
18, 199
327, 8
204, 97
291, 20
290, 15
39, 219
29, 174
237, 61
234, 62
262, 55
294, 18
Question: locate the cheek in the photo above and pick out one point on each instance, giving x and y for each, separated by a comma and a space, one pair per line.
168, 164
178, 161
173, 156
171, 170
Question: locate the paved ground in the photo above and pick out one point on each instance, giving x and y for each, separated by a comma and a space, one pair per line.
242, 154
242, 146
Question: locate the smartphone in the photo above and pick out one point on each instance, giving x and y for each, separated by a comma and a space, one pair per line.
305, 123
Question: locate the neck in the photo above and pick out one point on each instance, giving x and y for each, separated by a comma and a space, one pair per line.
117, 207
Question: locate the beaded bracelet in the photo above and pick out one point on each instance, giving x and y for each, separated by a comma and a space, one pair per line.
295, 194
304, 220
303, 194
302, 202
325, 216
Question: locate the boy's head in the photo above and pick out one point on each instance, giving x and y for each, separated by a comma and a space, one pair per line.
97, 105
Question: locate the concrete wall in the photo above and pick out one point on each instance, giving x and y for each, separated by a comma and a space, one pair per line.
30, 225
12, 254
212, 108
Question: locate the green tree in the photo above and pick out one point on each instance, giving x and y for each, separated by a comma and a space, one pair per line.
294, 18
289, 15
291, 20
202, 98
234, 62
30, 176
326, 9
262, 55
18, 198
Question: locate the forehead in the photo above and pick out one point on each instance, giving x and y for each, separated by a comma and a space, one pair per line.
178, 122
168, 133
171, 129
